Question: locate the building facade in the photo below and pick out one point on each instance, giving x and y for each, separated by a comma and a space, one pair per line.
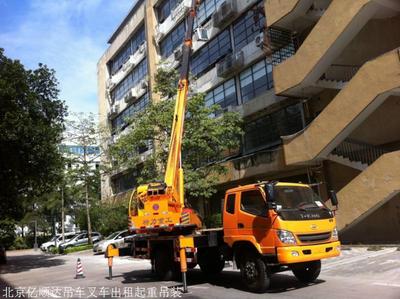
320, 100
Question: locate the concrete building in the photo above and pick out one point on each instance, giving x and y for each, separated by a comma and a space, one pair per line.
322, 109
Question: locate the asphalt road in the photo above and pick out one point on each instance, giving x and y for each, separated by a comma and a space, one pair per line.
358, 273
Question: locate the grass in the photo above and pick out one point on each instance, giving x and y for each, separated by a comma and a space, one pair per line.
374, 248
78, 248
72, 249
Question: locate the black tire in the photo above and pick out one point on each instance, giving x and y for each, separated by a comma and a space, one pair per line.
211, 261
254, 273
50, 248
307, 272
164, 265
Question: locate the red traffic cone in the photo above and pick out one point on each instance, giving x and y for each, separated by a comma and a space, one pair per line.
79, 269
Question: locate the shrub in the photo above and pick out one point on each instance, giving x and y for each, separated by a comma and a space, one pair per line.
78, 248
213, 221
19, 243
7, 232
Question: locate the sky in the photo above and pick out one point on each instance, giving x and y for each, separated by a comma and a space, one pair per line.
67, 35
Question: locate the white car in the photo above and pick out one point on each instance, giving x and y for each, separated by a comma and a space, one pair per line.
116, 239
48, 246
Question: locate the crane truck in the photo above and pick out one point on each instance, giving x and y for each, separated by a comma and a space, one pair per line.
268, 226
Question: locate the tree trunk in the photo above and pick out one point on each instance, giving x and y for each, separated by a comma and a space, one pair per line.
85, 167
62, 215
88, 215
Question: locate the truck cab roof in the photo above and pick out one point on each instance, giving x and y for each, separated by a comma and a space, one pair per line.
253, 186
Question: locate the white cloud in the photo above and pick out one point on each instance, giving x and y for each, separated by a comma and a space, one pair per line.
69, 36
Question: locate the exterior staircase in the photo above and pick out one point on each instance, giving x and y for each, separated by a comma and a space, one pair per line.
320, 49
368, 191
356, 154
364, 93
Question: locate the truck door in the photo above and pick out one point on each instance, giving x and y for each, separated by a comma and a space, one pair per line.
253, 219
230, 216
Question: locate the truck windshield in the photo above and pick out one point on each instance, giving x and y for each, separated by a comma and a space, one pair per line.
296, 197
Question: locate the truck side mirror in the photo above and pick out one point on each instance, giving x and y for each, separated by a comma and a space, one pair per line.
333, 197
270, 191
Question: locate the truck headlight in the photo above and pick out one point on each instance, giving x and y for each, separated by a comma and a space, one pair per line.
285, 236
335, 234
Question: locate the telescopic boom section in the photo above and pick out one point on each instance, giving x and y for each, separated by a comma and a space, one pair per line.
174, 170
157, 206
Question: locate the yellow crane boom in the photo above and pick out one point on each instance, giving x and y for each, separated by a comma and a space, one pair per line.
162, 205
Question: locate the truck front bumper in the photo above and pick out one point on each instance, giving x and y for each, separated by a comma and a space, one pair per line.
305, 253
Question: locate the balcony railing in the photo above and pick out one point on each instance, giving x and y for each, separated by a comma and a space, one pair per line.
359, 151
340, 72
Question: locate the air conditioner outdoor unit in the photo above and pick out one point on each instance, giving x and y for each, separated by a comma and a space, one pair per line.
159, 34
201, 34
231, 64
259, 40
178, 54
143, 84
127, 65
130, 96
114, 110
142, 48
180, 10
109, 83
224, 14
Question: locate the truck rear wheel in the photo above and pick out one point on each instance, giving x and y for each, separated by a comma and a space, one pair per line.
254, 273
210, 261
308, 271
164, 265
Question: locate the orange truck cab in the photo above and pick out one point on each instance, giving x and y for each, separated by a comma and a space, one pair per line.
275, 226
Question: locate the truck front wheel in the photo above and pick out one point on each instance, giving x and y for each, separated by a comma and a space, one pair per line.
307, 272
254, 273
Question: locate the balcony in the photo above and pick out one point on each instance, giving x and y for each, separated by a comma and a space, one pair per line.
133, 60
169, 23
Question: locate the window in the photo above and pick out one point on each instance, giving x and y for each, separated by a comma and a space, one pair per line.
121, 121
230, 204
125, 181
173, 40
252, 202
255, 80
223, 95
137, 74
130, 48
205, 10
207, 56
267, 130
165, 8
248, 26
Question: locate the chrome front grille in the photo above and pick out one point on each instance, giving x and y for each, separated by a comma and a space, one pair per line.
309, 238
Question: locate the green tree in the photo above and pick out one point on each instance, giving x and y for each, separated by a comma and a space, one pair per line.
31, 126
84, 177
207, 139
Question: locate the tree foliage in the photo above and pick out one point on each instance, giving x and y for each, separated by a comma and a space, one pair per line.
207, 139
83, 176
31, 124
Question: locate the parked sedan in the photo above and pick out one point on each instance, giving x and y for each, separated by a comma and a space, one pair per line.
57, 239
116, 239
79, 240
